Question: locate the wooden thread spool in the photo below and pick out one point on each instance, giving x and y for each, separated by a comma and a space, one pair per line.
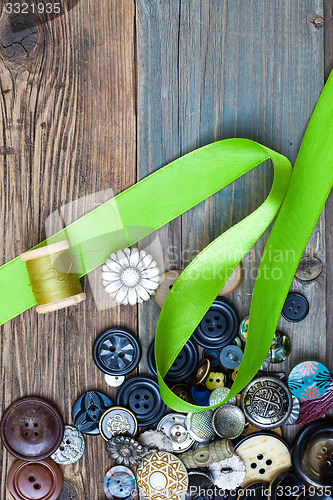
52, 277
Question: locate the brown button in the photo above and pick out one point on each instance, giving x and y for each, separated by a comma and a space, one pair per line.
32, 429
167, 281
35, 480
233, 281
202, 372
183, 391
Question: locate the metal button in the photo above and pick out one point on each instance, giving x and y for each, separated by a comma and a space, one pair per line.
309, 268
219, 395
200, 426
228, 421
296, 307
119, 483
309, 380
266, 402
116, 421
293, 417
202, 372
40, 480
71, 448
87, 411
231, 357
174, 427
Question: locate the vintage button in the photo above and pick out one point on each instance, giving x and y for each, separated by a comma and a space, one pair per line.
71, 448
199, 481
117, 420
285, 484
174, 427
215, 380
32, 429
200, 426
40, 480
141, 395
256, 491
218, 327
202, 372
265, 455
234, 281
231, 357
114, 380
228, 474
155, 440
311, 494
183, 391
117, 352
125, 451
309, 380
167, 281
119, 483
87, 411
293, 417
206, 455
183, 366
280, 348
296, 307
228, 421
266, 362
312, 454
219, 395
200, 395
213, 355
266, 402
243, 328
309, 268
162, 476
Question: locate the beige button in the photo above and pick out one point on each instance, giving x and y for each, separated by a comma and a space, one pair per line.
167, 281
205, 456
233, 281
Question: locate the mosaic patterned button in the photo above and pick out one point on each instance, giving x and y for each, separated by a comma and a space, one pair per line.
280, 348
71, 448
116, 421
309, 380
119, 482
162, 476
219, 395
243, 328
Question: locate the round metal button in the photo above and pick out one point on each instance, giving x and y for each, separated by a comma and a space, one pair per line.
280, 348
183, 366
71, 448
309, 380
228, 421
114, 380
312, 454
32, 429
162, 476
266, 402
167, 281
40, 480
141, 395
202, 372
119, 483
117, 352
87, 411
231, 357
174, 427
219, 395
218, 327
117, 420
200, 426
213, 355
296, 307
293, 417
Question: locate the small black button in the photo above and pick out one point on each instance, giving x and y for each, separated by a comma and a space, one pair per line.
296, 307
183, 366
141, 395
88, 409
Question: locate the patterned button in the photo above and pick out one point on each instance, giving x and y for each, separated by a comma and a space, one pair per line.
266, 402
219, 395
119, 483
71, 448
293, 417
88, 409
202, 372
243, 328
162, 476
309, 380
35, 480
280, 348
228, 421
200, 426
117, 420
173, 426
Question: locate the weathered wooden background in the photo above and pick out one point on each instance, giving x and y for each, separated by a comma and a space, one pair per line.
107, 92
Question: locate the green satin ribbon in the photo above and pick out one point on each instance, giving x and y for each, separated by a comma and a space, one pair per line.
174, 189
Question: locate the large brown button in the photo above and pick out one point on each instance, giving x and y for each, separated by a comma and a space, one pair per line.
32, 429
35, 480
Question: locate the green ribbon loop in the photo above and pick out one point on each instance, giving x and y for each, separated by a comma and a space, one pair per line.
174, 189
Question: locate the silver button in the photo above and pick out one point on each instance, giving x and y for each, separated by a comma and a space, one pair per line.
219, 395
294, 412
174, 427
228, 421
71, 448
200, 426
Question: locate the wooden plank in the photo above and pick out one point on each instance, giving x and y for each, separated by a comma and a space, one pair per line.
68, 129
234, 69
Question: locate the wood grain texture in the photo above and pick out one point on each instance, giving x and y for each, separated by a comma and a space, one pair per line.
68, 129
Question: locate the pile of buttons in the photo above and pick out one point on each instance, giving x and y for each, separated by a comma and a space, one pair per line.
235, 451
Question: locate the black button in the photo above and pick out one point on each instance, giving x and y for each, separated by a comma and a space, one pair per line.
213, 355
141, 395
88, 409
286, 481
296, 307
183, 366
117, 352
256, 491
218, 327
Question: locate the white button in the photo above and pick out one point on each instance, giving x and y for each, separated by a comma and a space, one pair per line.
114, 381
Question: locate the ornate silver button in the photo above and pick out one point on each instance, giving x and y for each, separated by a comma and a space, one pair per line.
200, 426
174, 427
266, 402
71, 448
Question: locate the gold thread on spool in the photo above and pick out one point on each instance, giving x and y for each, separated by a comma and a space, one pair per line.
52, 276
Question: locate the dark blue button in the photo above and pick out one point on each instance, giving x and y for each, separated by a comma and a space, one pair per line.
183, 366
88, 409
218, 327
200, 395
213, 355
141, 395
117, 352
296, 307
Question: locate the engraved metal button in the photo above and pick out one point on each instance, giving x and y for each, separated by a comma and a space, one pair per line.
116, 421
266, 402
228, 421
71, 448
219, 395
174, 427
200, 426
